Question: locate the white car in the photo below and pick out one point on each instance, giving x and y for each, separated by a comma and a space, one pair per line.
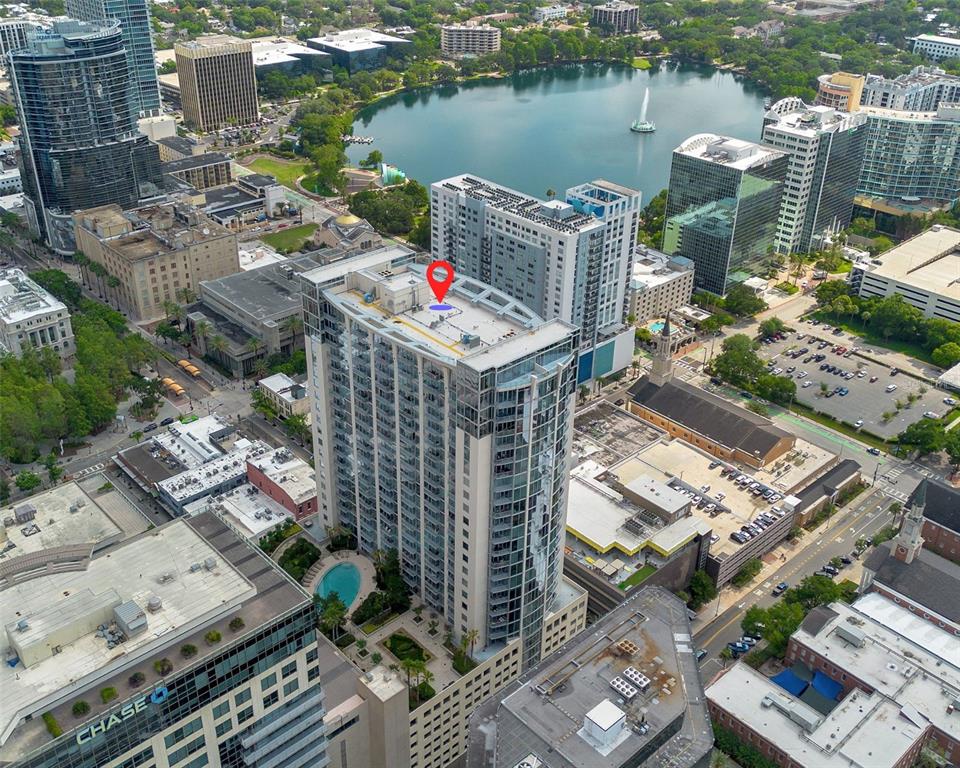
807, 384
858, 423
949, 401
930, 415
777, 371
802, 375
891, 387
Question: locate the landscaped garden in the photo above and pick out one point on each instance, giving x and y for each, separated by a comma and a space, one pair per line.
401, 645
637, 577
286, 172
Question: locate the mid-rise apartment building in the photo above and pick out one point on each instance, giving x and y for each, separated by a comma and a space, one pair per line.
922, 90
134, 18
569, 259
80, 146
30, 317
659, 284
183, 646
615, 17
825, 148
445, 434
218, 84
156, 252
469, 39
912, 155
556, 12
13, 35
840, 90
923, 270
936, 47
723, 208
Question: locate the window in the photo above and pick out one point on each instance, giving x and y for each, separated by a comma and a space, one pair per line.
181, 733
221, 709
244, 714
179, 754
290, 687
269, 681
198, 762
289, 669
243, 697
270, 699
225, 727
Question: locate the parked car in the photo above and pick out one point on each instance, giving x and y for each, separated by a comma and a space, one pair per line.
949, 401
830, 569
873, 379
619, 402
738, 647
858, 423
168, 420
930, 415
891, 387
748, 641
150, 427
701, 654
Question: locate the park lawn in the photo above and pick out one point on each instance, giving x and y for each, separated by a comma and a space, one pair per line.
284, 171
311, 184
637, 577
641, 63
290, 239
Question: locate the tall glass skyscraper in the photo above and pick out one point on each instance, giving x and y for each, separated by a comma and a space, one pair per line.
825, 146
444, 434
80, 146
723, 204
134, 18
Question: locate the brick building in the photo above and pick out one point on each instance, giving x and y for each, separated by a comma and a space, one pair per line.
286, 479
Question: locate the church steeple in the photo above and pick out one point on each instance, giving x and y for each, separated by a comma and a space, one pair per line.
910, 541
662, 369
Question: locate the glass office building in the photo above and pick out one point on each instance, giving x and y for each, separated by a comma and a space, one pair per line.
825, 148
444, 434
912, 155
134, 18
172, 680
80, 146
723, 205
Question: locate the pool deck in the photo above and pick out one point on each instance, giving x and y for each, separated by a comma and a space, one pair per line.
368, 581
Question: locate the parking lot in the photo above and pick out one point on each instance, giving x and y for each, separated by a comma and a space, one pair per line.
856, 391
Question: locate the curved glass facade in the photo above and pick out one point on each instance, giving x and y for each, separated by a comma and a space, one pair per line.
80, 143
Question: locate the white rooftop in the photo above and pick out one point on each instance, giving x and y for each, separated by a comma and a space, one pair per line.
938, 39
192, 443
256, 254
245, 509
351, 40
657, 493
279, 51
279, 384
295, 476
481, 328
929, 261
863, 730
64, 515
652, 268
723, 150
156, 564
214, 473
606, 714
22, 299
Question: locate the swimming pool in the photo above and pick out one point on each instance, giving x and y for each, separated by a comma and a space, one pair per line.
344, 579
656, 327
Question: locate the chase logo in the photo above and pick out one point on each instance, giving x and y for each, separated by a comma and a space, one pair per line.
127, 711
159, 695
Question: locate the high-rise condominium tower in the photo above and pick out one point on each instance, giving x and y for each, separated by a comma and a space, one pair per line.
134, 18
218, 86
80, 146
570, 259
722, 207
444, 434
826, 151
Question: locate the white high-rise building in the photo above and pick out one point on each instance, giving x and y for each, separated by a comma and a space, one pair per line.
569, 259
444, 435
825, 148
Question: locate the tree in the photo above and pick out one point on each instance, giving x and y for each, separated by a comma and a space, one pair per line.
702, 589
376, 657
772, 326
926, 435
372, 160
201, 329
946, 355
469, 638
218, 344
4, 489
738, 363
743, 302
297, 427
334, 612
726, 655
952, 447
27, 480
826, 293
54, 470
293, 325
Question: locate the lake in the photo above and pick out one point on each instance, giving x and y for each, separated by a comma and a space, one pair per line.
555, 128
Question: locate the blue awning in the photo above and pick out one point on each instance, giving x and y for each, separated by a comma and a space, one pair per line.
826, 686
790, 682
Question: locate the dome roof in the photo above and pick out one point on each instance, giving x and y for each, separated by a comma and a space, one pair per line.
347, 220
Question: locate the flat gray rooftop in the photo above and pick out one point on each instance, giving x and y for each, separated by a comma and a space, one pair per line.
543, 713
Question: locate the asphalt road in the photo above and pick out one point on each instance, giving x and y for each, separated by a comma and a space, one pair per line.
865, 517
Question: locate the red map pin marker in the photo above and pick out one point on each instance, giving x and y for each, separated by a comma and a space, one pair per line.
440, 286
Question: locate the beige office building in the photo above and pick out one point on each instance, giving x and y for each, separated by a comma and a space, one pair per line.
156, 252
218, 87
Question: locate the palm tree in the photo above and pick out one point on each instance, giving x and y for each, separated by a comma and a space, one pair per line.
100, 271
426, 677
469, 638
186, 295
796, 266
332, 617
294, 326
551, 193
113, 282
82, 261
218, 344
201, 329
409, 666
